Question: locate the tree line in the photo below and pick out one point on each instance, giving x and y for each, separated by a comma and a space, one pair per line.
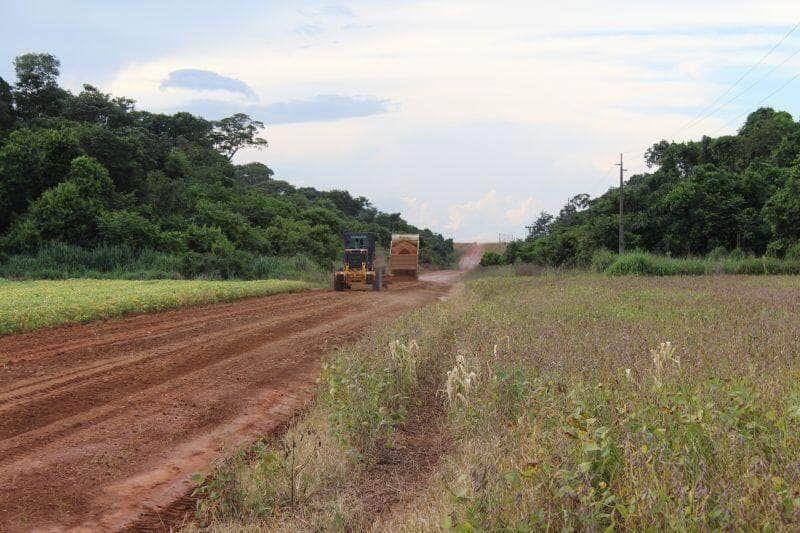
735, 193
89, 170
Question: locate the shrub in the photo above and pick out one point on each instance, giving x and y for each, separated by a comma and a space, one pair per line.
717, 253
644, 264
296, 267
216, 265
602, 259
793, 252
126, 227
492, 259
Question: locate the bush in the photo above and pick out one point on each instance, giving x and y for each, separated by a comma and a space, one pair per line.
296, 267
602, 259
492, 259
126, 227
793, 252
644, 264
218, 265
717, 253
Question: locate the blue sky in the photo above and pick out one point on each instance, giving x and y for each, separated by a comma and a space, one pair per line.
468, 117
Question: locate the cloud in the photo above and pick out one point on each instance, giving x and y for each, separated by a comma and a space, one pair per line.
326, 107
205, 80
319, 21
337, 10
419, 212
531, 101
309, 29
321, 108
478, 219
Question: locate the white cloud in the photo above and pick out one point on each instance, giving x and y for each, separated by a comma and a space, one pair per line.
419, 212
482, 219
530, 101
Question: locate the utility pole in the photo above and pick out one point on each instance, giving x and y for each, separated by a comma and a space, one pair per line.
621, 206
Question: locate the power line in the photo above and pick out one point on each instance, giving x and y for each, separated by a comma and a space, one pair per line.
770, 95
754, 66
602, 180
739, 80
762, 78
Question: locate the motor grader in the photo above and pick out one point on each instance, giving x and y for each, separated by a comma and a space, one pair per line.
359, 271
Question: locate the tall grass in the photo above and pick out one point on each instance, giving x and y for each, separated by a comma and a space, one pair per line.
646, 264
566, 407
64, 261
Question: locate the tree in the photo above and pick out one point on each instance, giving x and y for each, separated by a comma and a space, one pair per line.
782, 209
577, 203
253, 174
763, 131
704, 211
69, 212
36, 92
236, 132
7, 117
90, 170
91, 105
540, 226
30, 162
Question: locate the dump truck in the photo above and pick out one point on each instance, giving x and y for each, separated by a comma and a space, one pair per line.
359, 271
404, 256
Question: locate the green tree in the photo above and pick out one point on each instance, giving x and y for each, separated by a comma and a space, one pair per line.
236, 132
30, 162
7, 115
253, 175
782, 209
541, 226
70, 211
36, 92
95, 107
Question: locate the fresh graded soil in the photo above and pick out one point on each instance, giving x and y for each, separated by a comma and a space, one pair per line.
102, 424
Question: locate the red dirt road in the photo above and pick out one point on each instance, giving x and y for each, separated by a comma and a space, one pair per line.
102, 424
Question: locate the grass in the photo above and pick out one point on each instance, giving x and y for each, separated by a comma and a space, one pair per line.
570, 401
645, 264
64, 261
30, 305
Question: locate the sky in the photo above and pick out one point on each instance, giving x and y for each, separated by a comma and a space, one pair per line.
467, 117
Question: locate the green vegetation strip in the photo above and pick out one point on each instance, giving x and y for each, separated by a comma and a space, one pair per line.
571, 402
645, 264
30, 305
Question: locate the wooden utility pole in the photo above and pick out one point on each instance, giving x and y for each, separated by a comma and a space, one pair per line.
621, 206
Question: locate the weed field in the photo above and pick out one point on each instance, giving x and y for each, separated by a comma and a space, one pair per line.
567, 401
30, 305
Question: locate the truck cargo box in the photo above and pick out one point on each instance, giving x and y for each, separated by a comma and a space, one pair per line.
404, 255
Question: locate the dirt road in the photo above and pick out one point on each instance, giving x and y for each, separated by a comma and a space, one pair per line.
102, 424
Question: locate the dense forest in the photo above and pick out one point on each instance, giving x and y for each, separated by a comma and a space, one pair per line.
736, 193
90, 183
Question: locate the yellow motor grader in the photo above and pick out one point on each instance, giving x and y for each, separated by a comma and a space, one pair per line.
359, 271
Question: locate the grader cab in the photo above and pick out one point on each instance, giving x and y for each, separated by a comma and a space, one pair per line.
359, 271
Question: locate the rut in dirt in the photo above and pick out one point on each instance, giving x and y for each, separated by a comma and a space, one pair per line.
101, 425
